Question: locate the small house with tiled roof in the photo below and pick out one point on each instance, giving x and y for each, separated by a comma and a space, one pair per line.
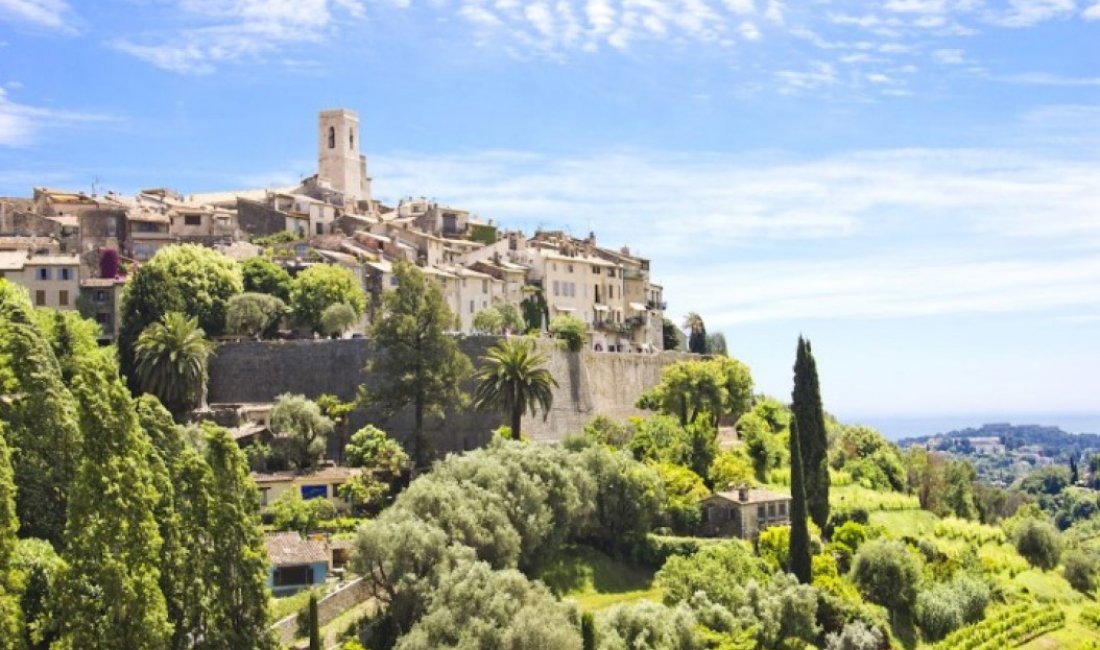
295, 563
744, 512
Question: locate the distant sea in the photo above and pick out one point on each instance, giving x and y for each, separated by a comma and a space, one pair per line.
909, 427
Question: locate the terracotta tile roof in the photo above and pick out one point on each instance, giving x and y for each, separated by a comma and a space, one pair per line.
755, 495
290, 549
323, 474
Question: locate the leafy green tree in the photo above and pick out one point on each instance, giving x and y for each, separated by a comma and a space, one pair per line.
627, 501
314, 624
959, 495
40, 412
206, 280
370, 447
416, 363
683, 489
761, 445
1079, 569
670, 335
647, 626
489, 321
801, 566
35, 566
337, 319
856, 635
512, 379
182, 481
254, 314
291, 512
302, 431
150, 293
339, 411
476, 607
887, 574
1039, 543
109, 593
716, 344
605, 431
697, 333
172, 358
785, 612
690, 390
738, 385
814, 443
11, 616
321, 286
722, 571
731, 467
571, 330
238, 568
512, 320
261, 275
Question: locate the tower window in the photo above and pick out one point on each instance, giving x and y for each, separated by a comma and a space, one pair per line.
332, 137
351, 140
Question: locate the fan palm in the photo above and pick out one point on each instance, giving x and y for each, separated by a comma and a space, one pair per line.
171, 362
512, 380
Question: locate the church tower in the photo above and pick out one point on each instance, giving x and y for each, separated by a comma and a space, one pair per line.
340, 164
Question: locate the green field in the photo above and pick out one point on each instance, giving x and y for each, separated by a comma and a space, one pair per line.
596, 581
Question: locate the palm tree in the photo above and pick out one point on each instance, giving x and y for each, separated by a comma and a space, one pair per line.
171, 362
512, 380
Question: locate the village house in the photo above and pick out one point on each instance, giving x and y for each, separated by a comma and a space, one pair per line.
744, 512
52, 280
101, 301
295, 563
323, 483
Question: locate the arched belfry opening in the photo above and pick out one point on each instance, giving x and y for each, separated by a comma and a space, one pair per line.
332, 137
351, 139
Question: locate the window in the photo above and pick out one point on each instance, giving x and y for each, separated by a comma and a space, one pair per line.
292, 576
351, 139
43, 274
320, 229
557, 288
471, 306
759, 512
570, 268
314, 492
263, 496
39, 298
610, 273
393, 280
771, 509
101, 296
610, 292
332, 137
484, 286
782, 510
596, 270
192, 219
66, 274
63, 298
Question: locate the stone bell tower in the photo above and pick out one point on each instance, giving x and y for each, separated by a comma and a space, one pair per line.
339, 161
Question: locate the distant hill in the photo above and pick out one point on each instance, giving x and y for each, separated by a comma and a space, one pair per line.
1050, 441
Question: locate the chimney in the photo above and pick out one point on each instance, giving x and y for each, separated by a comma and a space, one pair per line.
743, 493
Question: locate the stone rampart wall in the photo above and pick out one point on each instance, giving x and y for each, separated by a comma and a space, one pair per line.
590, 383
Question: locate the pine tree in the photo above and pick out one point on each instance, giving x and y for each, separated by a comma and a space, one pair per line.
41, 416
238, 571
417, 363
800, 534
807, 409
108, 595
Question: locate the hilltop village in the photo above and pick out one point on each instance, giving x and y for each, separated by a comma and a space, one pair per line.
299, 417
54, 244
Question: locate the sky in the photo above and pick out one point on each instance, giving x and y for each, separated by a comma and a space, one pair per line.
914, 185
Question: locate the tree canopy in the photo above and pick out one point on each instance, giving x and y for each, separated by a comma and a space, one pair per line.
512, 379
319, 287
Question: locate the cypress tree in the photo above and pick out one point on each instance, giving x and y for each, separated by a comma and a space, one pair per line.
10, 615
813, 440
238, 570
41, 416
314, 624
800, 534
109, 595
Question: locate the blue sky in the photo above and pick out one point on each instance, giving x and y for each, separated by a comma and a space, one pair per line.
912, 184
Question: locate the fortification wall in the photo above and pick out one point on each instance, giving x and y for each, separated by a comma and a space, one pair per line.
589, 383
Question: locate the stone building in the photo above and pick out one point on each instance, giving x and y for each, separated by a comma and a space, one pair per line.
52, 280
340, 164
744, 512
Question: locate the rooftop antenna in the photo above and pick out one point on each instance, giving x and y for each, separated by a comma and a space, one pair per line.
95, 182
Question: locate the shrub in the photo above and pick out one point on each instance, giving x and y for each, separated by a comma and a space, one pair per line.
1038, 542
1079, 569
571, 330
887, 574
856, 635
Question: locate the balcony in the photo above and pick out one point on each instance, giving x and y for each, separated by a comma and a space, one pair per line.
657, 305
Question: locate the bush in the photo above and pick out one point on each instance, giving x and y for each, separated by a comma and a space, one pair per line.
571, 330
291, 512
1079, 569
856, 635
254, 314
1038, 542
887, 574
336, 319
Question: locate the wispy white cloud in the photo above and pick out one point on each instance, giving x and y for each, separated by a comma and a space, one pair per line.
51, 14
20, 124
1025, 13
222, 31
1092, 13
1048, 79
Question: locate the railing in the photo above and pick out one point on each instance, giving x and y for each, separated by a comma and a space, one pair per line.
659, 305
